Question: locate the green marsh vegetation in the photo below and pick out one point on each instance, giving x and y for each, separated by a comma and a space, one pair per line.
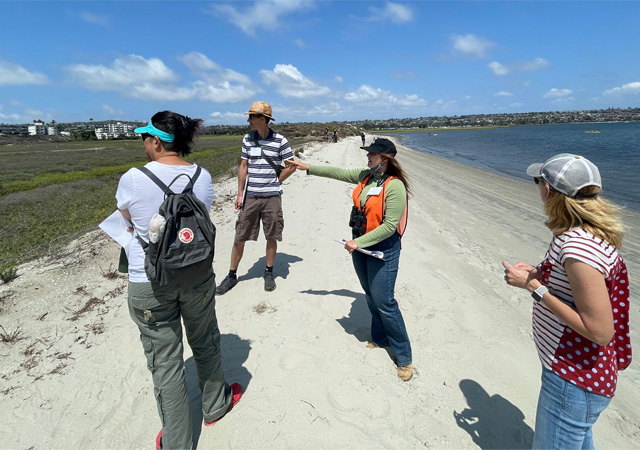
51, 193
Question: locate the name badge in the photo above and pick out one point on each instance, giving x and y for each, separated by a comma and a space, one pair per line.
375, 191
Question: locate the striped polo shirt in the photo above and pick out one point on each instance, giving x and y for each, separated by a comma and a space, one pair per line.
568, 354
263, 181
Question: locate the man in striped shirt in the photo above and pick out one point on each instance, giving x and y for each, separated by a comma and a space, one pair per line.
259, 192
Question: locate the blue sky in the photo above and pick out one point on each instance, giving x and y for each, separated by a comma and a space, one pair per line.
314, 60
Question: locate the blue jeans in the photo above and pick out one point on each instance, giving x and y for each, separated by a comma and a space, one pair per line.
565, 414
378, 279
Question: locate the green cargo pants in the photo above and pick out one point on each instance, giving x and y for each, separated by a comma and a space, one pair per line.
158, 318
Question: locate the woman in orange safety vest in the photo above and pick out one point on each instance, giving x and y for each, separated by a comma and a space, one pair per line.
378, 220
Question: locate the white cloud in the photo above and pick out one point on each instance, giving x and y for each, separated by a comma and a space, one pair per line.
563, 100
395, 12
403, 75
339, 79
95, 19
625, 89
515, 105
265, 14
503, 94
558, 93
300, 43
289, 82
150, 79
471, 45
534, 64
519, 66
11, 73
227, 117
218, 84
369, 94
498, 68
113, 112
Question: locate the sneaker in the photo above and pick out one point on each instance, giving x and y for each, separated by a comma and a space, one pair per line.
269, 283
405, 372
236, 390
159, 441
226, 285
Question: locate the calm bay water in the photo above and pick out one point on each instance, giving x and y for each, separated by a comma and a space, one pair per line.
509, 151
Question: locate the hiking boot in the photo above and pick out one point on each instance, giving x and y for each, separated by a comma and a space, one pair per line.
405, 372
269, 283
226, 285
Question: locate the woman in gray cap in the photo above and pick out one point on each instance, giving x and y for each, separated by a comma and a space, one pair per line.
378, 220
581, 303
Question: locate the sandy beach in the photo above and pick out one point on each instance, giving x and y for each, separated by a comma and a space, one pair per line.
77, 378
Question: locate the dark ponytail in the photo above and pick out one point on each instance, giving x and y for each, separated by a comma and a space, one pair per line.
183, 128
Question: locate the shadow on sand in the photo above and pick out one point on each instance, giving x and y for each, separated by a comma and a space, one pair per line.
358, 322
235, 352
492, 421
280, 269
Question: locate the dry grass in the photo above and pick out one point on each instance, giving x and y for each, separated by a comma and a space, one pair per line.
11, 337
264, 307
90, 305
111, 273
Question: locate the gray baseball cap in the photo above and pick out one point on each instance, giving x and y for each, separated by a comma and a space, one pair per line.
567, 173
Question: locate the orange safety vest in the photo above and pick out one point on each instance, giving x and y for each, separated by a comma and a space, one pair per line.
374, 206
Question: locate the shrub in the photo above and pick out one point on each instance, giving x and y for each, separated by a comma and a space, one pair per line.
8, 272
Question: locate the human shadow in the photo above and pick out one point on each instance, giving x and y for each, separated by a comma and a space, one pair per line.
280, 269
235, 352
492, 421
358, 322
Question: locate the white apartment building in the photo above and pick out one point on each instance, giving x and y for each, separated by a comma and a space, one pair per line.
113, 130
37, 128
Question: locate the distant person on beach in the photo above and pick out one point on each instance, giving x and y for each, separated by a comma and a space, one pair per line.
326, 134
335, 136
259, 193
362, 137
158, 311
581, 303
378, 220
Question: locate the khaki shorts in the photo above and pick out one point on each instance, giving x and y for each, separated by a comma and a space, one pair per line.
267, 209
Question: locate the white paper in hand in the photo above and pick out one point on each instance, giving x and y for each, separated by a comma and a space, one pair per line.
116, 227
374, 253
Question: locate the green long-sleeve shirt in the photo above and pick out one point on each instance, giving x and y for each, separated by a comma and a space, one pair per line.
395, 199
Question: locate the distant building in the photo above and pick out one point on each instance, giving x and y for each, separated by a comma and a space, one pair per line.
52, 131
11, 128
37, 128
113, 130
65, 133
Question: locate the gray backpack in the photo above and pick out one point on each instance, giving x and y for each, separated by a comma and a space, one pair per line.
183, 255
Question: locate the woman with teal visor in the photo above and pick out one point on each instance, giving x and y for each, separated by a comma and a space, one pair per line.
153, 131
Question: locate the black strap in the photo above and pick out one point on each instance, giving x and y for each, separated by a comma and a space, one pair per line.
277, 169
167, 190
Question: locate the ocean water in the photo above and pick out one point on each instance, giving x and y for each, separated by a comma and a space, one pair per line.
509, 151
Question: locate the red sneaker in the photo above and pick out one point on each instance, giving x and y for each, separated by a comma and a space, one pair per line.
236, 389
159, 441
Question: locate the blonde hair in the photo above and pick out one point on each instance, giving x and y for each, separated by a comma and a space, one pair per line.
594, 215
394, 169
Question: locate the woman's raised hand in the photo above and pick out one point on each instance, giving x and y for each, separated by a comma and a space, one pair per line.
298, 165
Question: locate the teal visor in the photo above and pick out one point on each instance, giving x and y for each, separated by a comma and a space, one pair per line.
153, 131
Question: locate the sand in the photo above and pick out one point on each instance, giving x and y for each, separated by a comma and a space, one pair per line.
77, 377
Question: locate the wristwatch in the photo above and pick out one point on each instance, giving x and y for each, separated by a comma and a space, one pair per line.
538, 293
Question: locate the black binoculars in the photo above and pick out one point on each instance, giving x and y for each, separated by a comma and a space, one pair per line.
358, 221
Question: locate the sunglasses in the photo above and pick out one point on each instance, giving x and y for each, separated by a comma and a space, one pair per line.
255, 116
144, 136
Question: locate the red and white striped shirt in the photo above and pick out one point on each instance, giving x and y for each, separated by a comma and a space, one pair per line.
562, 350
